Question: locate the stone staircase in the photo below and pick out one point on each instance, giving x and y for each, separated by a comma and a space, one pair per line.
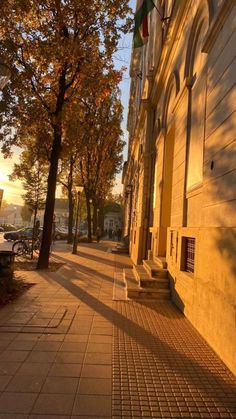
122, 247
148, 281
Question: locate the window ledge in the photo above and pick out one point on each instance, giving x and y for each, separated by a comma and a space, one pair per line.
194, 190
188, 275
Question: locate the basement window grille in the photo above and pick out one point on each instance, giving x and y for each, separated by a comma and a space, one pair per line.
171, 243
190, 254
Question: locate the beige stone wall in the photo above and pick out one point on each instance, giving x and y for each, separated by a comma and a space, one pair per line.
179, 165
207, 297
219, 192
193, 93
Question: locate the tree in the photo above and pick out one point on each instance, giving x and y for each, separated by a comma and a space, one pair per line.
72, 147
101, 157
51, 47
65, 177
26, 213
33, 171
84, 125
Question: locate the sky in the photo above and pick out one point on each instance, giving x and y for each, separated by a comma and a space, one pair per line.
122, 58
13, 190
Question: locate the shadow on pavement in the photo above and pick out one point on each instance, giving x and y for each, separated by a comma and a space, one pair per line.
77, 268
220, 389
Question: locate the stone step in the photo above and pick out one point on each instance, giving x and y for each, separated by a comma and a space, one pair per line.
129, 278
146, 281
161, 284
120, 250
155, 270
134, 291
160, 261
140, 273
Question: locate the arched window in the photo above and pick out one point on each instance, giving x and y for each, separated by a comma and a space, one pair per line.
172, 89
196, 77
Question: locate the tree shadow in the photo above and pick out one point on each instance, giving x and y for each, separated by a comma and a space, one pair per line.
157, 307
216, 383
104, 260
76, 268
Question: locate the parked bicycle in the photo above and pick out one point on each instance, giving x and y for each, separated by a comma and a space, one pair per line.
24, 247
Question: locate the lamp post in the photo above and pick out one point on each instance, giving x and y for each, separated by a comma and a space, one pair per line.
90, 206
79, 190
5, 74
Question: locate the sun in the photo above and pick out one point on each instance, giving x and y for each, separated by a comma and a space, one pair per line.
3, 177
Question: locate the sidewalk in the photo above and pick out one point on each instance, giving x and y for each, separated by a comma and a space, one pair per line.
69, 351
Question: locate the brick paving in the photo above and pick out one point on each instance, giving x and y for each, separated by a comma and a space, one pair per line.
162, 368
69, 351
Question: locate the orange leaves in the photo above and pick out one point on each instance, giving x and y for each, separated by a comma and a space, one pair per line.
60, 53
102, 96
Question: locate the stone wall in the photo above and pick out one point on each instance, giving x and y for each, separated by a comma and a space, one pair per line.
207, 297
191, 92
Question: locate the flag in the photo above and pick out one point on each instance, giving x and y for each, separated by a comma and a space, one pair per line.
141, 22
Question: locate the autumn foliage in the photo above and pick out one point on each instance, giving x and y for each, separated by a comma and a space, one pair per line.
55, 48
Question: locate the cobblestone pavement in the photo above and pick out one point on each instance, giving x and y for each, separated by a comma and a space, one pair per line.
69, 351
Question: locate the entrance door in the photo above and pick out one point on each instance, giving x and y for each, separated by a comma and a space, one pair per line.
166, 196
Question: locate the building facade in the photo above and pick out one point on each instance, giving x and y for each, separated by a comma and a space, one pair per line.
11, 214
180, 176
112, 221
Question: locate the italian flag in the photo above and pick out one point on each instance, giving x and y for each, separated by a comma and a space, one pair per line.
141, 22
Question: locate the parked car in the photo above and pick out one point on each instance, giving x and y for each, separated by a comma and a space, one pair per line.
61, 233
7, 227
23, 233
83, 232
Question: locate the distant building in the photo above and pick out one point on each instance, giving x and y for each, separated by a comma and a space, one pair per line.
180, 177
61, 212
112, 217
11, 214
112, 221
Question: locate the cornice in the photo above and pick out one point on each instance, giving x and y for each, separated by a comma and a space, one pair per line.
216, 25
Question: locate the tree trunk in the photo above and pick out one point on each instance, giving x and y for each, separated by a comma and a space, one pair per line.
89, 220
71, 201
95, 224
71, 216
44, 254
33, 235
43, 260
101, 220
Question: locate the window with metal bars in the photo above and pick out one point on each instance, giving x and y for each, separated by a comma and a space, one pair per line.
188, 254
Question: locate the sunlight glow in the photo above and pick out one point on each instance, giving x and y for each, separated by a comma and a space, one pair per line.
12, 190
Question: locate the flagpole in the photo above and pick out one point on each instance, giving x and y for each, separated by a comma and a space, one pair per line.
161, 17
